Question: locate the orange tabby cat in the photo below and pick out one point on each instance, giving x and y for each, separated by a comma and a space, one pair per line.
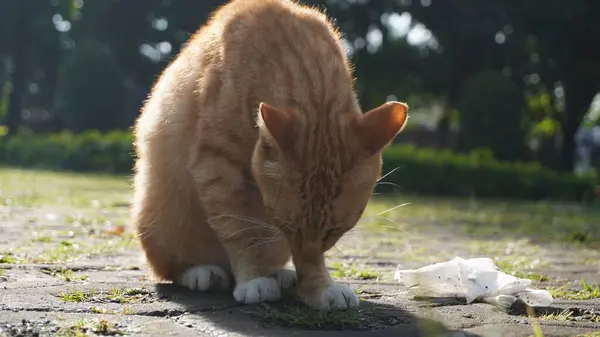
252, 149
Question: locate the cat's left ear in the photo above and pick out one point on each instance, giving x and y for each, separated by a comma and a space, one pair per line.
378, 127
278, 123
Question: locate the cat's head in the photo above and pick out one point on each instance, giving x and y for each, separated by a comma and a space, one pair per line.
316, 176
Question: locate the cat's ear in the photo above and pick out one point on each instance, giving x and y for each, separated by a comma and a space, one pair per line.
277, 123
378, 127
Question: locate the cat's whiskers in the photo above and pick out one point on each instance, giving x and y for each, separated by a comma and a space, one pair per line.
380, 182
372, 218
259, 243
339, 249
393, 208
147, 232
396, 226
244, 230
255, 221
387, 174
142, 235
389, 183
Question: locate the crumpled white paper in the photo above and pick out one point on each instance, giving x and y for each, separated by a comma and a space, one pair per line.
472, 279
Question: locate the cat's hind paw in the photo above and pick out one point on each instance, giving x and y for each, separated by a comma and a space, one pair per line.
204, 278
337, 296
260, 289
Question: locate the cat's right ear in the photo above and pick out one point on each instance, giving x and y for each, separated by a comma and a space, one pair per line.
278, 124
378, 127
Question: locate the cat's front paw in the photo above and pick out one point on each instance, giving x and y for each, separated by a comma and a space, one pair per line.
204, 278
257, 290
336, 296
285, 277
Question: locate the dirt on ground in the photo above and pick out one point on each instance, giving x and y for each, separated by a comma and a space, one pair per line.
69, 266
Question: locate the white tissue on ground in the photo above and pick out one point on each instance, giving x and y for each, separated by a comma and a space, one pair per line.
472, 279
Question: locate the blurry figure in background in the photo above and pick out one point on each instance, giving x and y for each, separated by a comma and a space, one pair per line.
587, 140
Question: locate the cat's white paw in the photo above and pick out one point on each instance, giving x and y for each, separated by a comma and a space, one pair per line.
285, 277
204, 278
338, 296
257, 290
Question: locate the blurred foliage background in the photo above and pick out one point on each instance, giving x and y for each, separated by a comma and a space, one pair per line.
498, 89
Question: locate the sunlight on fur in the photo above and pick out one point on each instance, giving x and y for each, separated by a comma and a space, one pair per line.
253, 150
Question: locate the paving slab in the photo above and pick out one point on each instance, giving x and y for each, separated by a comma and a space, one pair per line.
70, 267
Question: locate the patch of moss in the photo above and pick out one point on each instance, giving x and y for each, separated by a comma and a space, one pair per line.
64, 273
342, 271
74, 296
83, 327
68, 250
307, 318
133, 295
128, 311
42, 239
8, 258
127, 295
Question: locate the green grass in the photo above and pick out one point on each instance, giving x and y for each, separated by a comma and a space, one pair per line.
67, 250
344, 271
300, 316
518, 235
31, 188
587, 292
43, 239
520, 267
122, 295
64, 273
558, 222
69, 216
116, 295
72, 216
592, 334
565, 315
83, 327
125, 311
74, 296
8, 258
570, 316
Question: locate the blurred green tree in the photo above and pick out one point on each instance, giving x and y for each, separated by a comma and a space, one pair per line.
491, 112
91, 92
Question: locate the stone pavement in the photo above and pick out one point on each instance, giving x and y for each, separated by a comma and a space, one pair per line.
77, 272
31, 305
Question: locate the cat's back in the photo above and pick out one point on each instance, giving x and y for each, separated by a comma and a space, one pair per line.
247, 18
275, 29
280, 52
250, 51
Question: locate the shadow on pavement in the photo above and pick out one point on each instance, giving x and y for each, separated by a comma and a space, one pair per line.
212, 312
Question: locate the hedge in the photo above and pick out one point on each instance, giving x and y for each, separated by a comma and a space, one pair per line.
478, 174
90, 151
411, 169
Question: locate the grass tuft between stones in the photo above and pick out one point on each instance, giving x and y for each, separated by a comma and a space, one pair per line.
101, 327
299, 316
587, 292
117, 295
307, 318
